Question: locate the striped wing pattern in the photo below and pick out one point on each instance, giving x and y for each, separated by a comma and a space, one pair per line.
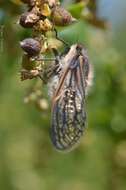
68, 109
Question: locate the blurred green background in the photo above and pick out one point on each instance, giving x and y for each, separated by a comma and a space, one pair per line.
28, 160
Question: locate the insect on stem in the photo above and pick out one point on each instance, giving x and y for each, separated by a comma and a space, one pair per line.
68, 99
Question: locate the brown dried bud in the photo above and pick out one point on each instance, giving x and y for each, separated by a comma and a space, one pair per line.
61, 17
31, 46
28, 19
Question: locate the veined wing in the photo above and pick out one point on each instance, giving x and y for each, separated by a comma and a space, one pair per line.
68, 110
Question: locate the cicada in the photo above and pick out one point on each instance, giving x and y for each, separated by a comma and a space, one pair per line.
68, 89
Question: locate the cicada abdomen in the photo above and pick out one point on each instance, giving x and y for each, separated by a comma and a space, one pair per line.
68, 104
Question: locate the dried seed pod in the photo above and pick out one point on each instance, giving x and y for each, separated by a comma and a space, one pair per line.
28, 19
31, 46
61, 17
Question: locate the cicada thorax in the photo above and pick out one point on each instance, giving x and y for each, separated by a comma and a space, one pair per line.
68, 106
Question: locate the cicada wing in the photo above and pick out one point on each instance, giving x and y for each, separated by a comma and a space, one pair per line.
68, 112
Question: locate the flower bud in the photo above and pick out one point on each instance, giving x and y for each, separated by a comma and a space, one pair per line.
28, 74
27, 63
42, 104
61, 17
31, 46
43, 25
45, 10
28, 19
